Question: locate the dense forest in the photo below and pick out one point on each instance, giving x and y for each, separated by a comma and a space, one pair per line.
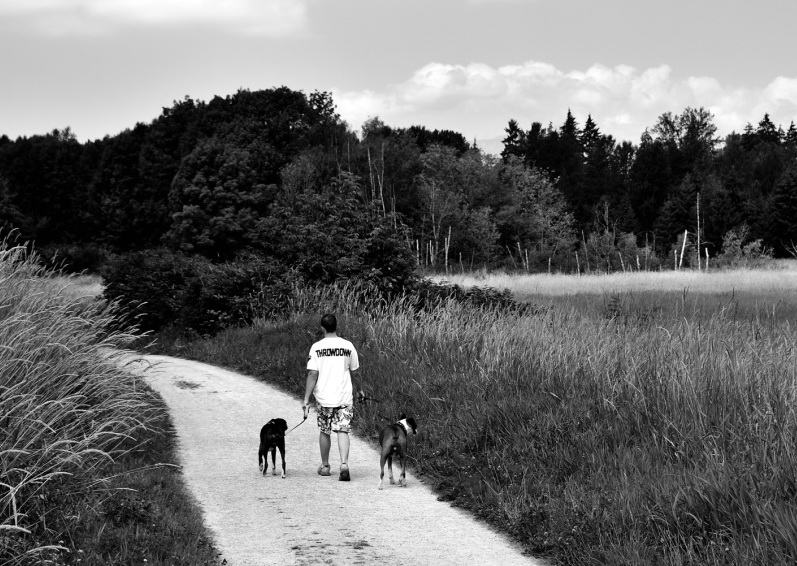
277, 174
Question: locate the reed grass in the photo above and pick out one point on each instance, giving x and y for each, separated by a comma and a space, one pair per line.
593, 436
65, 406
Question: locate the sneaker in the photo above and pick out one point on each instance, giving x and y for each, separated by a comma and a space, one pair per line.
344, 472
324, 470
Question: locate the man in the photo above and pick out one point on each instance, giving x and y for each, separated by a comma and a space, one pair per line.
330, 374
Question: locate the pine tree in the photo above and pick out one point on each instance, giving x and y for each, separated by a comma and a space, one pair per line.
514, 142
783, 211
791, 136
590, 135
767, 132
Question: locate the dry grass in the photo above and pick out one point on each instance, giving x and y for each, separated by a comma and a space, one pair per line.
780, 279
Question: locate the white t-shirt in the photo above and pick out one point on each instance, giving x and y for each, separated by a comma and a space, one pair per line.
333, 358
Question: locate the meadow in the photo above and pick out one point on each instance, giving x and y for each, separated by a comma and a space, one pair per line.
617, 425
87, 466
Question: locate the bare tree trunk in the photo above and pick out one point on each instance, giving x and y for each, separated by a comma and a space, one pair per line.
698, 231
578, 265
447, 245
586, 250
683, 249
510, 257
371, 176
380, 176
522, 261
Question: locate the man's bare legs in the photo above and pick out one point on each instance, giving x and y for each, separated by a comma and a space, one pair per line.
325, 443
343, 447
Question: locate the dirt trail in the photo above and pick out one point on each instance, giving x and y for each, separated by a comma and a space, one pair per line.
305, 518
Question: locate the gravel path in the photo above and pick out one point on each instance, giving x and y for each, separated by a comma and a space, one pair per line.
304, 518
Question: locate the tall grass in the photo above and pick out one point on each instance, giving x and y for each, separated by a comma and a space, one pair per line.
65, 406
747, 293
593, 436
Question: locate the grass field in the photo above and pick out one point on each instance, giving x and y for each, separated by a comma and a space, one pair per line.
779, 279
748, 292
598, 431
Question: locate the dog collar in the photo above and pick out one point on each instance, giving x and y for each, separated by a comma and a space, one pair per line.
403, 424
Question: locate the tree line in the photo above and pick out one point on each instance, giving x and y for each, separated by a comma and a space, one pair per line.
278, 174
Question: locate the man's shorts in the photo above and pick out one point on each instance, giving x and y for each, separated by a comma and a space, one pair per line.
336, 419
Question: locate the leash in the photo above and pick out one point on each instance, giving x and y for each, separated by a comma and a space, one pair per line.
297, 426
363, 399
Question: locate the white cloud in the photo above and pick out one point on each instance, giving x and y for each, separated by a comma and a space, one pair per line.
478, 100
72, 17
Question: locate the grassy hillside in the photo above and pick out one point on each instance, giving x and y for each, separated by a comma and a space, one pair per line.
87, 473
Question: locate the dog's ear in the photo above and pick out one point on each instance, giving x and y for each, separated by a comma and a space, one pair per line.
402, 416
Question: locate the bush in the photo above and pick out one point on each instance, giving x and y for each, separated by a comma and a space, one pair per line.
75, 258
427, 295
164, 288
151, 283
737, 251
235, 293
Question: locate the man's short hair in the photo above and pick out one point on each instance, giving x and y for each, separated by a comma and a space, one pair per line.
329, 322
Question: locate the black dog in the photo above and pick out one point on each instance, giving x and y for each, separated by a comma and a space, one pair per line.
272, 436
393, 440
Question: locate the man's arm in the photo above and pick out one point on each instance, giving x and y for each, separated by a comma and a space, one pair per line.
312, 378
357, 384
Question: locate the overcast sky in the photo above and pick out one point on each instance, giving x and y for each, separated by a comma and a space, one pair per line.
100, 66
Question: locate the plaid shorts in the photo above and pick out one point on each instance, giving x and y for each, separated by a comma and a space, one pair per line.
336, 419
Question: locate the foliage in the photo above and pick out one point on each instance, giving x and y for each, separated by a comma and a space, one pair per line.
739, 251
151, 283
75, 258
331, 234
218, 195
163, 288
537, 219
426, 295
203, 178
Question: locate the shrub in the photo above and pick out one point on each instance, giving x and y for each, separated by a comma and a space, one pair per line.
234, 293
75, 258
151, 283
191, 293
739, 251
427, 295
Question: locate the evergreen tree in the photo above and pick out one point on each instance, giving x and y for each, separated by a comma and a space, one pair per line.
767, 132
791, 136
783, 212
590, 136
514, 142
